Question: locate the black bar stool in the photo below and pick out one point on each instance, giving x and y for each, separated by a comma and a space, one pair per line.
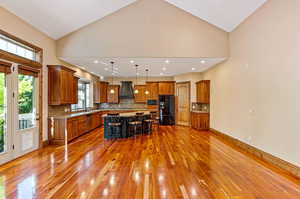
147, 126
155, 118
136, 127
114, 125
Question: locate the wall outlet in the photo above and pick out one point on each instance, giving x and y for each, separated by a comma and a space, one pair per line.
249, 138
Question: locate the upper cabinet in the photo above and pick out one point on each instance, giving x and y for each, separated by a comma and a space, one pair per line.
166, 88
140, 97
152, 87
62, 85
113, 97
100, 92
203, 91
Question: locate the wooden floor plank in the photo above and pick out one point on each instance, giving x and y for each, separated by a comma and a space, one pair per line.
175, 162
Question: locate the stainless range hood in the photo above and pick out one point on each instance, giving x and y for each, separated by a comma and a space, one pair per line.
126, 91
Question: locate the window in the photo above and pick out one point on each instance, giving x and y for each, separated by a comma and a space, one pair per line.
9, 45
83, 96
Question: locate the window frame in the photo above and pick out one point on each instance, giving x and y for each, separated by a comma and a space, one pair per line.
19, 59
74, 107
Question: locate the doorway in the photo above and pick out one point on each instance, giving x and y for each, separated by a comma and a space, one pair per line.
19, 110
183, 103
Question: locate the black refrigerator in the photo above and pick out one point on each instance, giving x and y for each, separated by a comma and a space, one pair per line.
167, 109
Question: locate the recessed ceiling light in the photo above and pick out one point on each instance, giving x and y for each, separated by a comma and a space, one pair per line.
132, 61
137, 73
116, 68
203, 62
105, 68
96, 62
193, 68
167, 61
164, 68
161, 74
104, 63
101, 77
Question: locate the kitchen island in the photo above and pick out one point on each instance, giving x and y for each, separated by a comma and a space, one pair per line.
124, 119
64, 128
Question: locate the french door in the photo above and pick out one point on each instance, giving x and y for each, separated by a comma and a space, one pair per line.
19, 126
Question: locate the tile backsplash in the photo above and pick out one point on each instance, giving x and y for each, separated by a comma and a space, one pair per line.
200, 107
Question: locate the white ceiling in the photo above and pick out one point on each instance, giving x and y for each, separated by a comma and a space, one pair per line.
225, 14
124, 67
57, 18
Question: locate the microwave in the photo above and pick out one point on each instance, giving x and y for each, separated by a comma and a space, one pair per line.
152, 102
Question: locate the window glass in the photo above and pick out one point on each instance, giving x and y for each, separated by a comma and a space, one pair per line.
83, 96
26, 106
16, 48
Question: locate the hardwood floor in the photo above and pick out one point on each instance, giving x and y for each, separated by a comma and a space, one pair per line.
176, 162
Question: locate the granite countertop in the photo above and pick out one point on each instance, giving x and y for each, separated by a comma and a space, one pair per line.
70, 115
193, 111
131, 114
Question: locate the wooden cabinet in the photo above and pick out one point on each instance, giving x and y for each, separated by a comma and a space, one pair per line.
75, 90
113, 97
203, 91
200, 121
62, 85
140, 97
100, 92
82, 124
166, 88
74, 127
152, 87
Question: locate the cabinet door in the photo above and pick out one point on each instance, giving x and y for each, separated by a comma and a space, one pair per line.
75, 90
96, 92
72, 128
203, 121
103, 92
82, 124
203, 91
113, 97
152, 87
166, 88
140, 97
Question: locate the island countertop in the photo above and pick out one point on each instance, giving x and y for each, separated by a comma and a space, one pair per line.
130, 114
71, 115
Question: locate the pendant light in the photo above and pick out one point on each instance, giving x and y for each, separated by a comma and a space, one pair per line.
112, 91
136, 91
147, 71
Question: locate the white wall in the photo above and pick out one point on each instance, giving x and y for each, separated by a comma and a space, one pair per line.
255, 95
19, 28
146, 28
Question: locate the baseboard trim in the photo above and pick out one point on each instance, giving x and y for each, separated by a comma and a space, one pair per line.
261, 155
45, 143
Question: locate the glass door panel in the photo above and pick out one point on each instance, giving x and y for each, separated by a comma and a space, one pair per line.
26, 102
26, 137
3, 111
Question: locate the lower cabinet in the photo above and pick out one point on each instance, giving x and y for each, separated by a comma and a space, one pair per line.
74, 127
200, 121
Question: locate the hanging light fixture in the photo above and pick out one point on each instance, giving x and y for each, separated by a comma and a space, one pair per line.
136, 91
147, 71
112, 91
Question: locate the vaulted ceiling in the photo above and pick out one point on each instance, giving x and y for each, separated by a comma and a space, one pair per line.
58, 18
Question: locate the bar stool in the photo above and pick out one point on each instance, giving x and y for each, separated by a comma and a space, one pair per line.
136, 127
147, 125
155, 118
114, 125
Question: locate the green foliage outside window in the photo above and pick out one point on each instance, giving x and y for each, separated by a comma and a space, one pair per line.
25, 101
